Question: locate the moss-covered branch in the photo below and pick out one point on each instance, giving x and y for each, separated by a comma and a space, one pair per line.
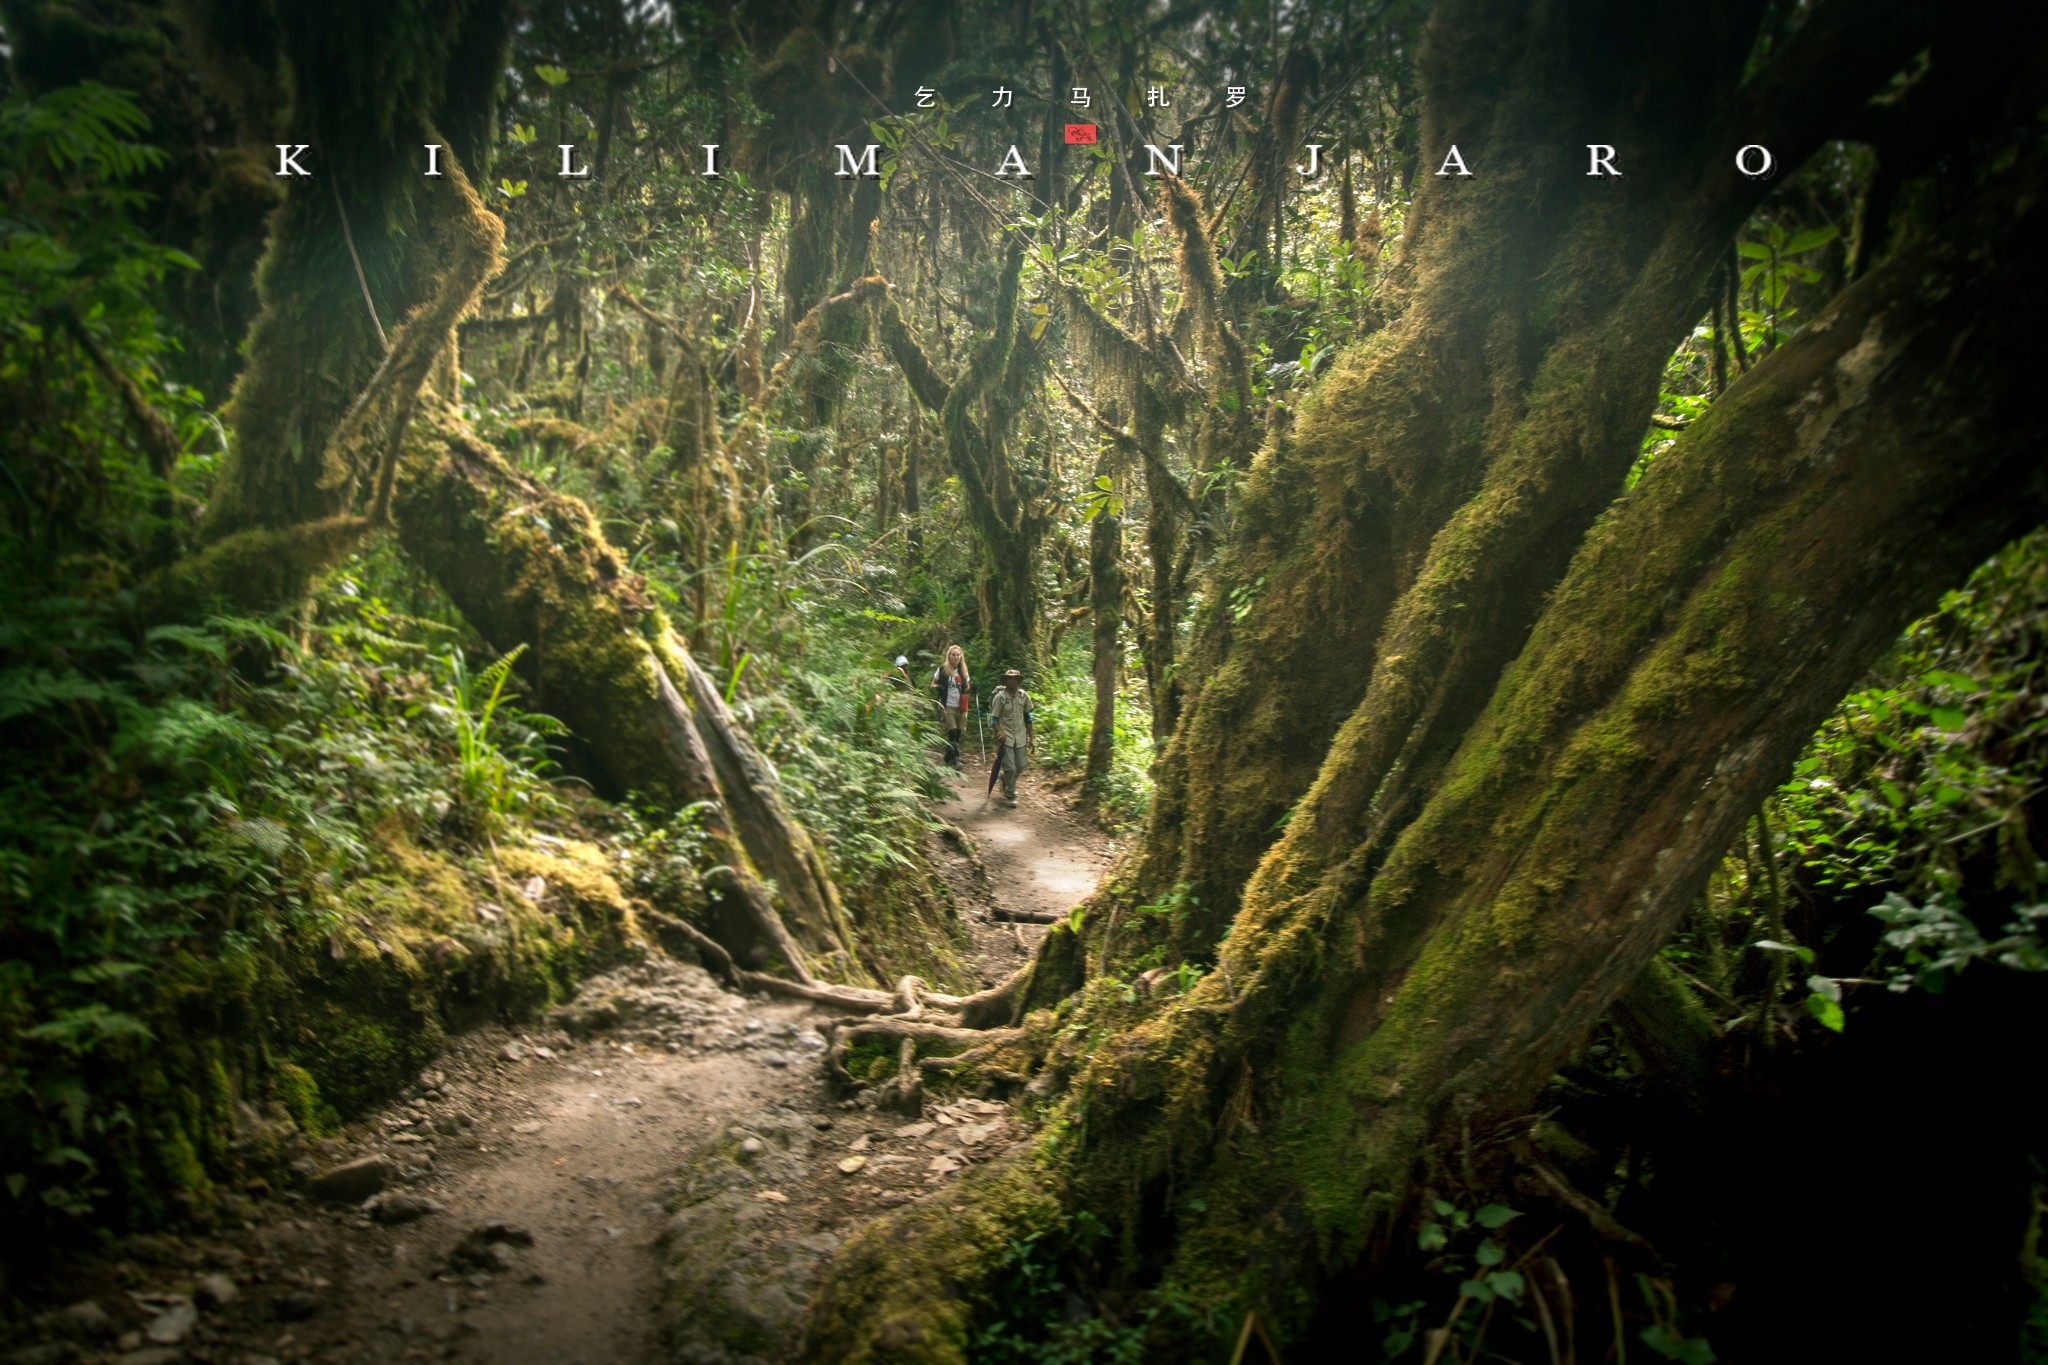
976, 448
931, 390
269, 563
528, 565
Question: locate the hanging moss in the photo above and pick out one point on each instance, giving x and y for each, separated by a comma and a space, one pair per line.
1196, 254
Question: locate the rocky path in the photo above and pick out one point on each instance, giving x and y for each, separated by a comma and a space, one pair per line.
652, 1174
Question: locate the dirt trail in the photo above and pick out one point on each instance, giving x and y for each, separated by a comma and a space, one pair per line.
541, 1191
1039, 857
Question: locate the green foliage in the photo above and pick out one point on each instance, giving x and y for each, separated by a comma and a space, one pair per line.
851, 743
488, 769
1928, 945
1772, 268
1892, 769
1485, 1277
1471, 1250
178, 800
1065, 713
1910, 807
78, 277
1476, 1292
1917, 790
663, 862
1043, 1312
1101, 500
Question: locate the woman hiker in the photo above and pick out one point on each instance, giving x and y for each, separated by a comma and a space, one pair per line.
952, 689
1009, 710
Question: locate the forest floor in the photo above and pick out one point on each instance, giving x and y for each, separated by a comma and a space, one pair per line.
653, 1172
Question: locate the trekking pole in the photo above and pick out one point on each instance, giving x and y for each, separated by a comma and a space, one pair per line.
981, 733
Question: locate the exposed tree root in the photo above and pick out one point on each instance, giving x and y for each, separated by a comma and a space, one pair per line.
903, 1093
969, 1046
889, 1026
1625, 1242
979, 1018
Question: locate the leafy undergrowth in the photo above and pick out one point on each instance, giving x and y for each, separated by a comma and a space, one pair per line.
251, 878
1065, 712
1053, 1309
852, 740
255, 871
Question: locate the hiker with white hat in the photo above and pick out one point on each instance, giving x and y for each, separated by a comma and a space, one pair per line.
1009, 710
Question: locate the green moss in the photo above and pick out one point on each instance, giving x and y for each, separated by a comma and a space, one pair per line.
220, 1091
906, 1289
329, 1023
300, 1095
178, 1160
358, 1055
871, 1059
1058, 969
255, 569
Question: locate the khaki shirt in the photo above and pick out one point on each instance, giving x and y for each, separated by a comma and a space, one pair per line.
1010, 712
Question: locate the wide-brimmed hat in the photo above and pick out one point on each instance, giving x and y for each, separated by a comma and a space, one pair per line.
1013, 673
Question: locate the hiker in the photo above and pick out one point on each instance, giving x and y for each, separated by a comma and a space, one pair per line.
952, 689
1010, 712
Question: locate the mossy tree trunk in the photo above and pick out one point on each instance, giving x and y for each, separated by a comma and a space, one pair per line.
1105, 609
340, 270
1493, 836
1262, 1132
1167, 513
1401, 539
1145, 371
707, 486
530, 566
817, 96
331, 391
974, 411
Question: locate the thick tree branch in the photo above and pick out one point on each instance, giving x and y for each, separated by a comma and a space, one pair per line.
925, 383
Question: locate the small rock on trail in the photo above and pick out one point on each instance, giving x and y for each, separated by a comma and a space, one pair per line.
352, 1182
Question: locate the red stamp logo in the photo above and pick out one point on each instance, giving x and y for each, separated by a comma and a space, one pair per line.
1080, 135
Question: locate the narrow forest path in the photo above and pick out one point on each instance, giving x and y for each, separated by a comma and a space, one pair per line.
1043, 857
651, 1173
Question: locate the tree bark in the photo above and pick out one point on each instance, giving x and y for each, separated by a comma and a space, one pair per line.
1387, 987
779, 845
1105, 608
1402, 539
526, 565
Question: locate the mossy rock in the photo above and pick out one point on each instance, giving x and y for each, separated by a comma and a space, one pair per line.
253, 1051
739, 1275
